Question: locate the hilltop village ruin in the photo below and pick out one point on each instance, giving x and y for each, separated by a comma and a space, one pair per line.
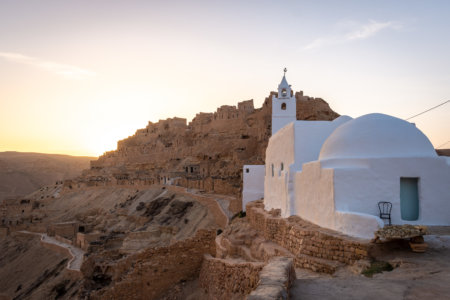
207, 154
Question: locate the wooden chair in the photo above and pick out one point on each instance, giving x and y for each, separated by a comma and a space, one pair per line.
385, 210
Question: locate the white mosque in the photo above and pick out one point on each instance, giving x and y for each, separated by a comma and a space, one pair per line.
334, 173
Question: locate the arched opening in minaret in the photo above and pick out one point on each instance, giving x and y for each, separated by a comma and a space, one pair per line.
283, 92
283, 106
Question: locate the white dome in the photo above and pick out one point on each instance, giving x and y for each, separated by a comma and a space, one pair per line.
342, 119
376, 135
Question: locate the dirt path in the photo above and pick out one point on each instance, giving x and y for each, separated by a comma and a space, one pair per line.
77, 254
418, 276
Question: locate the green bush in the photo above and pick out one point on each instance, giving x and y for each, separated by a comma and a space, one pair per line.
377, 267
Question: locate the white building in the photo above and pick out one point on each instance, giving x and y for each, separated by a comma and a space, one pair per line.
297, 143
284, 112
253, 176
284, 107
334, 173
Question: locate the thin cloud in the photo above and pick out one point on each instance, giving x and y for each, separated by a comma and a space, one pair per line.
363, 32
321, 42
371, 29
67, 71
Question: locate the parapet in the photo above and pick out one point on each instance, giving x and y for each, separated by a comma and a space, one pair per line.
246, 106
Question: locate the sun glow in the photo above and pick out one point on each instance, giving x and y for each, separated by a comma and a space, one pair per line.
79, 87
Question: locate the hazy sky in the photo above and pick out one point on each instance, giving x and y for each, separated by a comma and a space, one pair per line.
77, 76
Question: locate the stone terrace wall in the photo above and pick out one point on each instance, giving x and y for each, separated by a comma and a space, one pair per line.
67, 230
275, 280
235, 279
305, 240
147, 275
228, 278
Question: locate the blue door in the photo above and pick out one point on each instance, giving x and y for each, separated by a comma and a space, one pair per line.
409, 198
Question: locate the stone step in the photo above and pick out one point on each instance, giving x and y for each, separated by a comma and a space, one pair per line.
316, 264
418, 247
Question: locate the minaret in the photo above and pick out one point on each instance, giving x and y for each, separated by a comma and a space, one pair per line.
284, 108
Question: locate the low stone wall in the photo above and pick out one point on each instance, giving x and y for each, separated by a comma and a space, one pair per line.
306, 240
83, 239
67, 230
148, 274
62, 239
38, 228
275, 280
228, 278
236, 279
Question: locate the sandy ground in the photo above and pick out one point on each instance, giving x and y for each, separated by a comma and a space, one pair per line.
29, 270
417, 276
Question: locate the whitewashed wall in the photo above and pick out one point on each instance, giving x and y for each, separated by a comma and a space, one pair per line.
314, 198
279, 150
295, 144
343, 194
253, 186
310, 137
360, 189
447, 159
280, 117
314, 195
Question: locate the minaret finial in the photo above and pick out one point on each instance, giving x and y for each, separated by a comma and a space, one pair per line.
285, 70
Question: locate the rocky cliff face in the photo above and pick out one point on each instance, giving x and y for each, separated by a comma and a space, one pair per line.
207, 154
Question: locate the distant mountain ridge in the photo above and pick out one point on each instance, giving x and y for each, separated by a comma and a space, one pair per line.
24, 172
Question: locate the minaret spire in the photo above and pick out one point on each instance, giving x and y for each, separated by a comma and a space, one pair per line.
284, 106
284, 89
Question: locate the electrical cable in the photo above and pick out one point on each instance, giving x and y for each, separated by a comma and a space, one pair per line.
428, 110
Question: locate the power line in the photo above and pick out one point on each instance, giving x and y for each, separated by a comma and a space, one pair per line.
443, 144
445, 102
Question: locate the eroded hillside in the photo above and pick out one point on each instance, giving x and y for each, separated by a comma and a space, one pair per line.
119, 229
30, 271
